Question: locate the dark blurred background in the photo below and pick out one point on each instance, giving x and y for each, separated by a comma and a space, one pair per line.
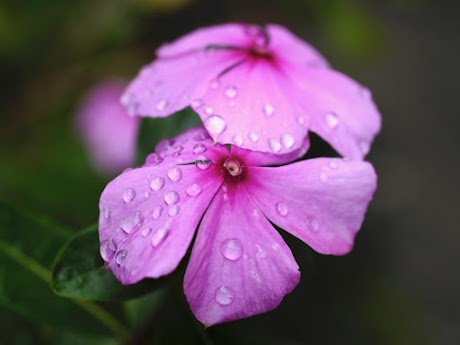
401, 283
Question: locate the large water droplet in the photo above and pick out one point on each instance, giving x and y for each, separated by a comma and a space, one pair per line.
153, 159
107, 250
253, 137
157, 183
129, 194
237, 140
162, 104
157, 211
199, 148
323, 177
174, 174
231, 249
171, 197
193, 190
223, 296
203, 162
274, 145
230, 91
132, 222
268, 109
287, 140
146, 231
331, 120
121, 256
159, 236
197, 103
174, 210
313, 224
282, 209
215, 124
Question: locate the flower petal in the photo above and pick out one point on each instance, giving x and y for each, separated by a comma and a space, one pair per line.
148, 218
321, 201
240, 265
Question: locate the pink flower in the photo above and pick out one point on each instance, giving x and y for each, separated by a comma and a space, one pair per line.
240, 265
108, 133
259, 88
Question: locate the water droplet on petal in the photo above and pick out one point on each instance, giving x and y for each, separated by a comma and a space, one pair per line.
174, 174
313, 224
203, 162
224, 296
162, 104
201, 135
146, 231
199, 148
197, 103
268, 109
157, 183
237, 140
157, 211
108, 249
332, 164
300, 120
174, 210
323, 177
287, 140
153, 159
331, 120
231, 249
171, 197
208, 110
129, 194
253, 137
261, 252
126, 98
214, 84
274, 145
132, 222
193, 190
121, 256
230, 91
282, 209
215, 124
159, 236
104, 218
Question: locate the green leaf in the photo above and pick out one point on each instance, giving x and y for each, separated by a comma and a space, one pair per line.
155, 129
79, 272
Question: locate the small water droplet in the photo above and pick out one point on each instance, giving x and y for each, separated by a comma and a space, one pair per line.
300, 120
128, 195
121, 256
365, 92
157, 211
313, 224
193, 190
132, 222
126, 98
274, 145
323, 177
201, 135
224, 296
261, 252
282, 209
197, 103
153, 159
253, 137
104, 218
162, 104
208, 110
268, 109
107, 250
230, 91
146, 231
174, 174
147, 195
275, 246
215, 124
171, 197
214, 84
287, 140
256, 213
331, 120
237, 140
231, 249
199, 148
203, 162
174, 210
157, 183
332, 164
159, 236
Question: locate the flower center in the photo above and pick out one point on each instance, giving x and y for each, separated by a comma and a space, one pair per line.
233, 169
233, 166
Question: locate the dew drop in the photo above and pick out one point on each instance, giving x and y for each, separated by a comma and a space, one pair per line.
268, 109
282, 209
237, 140
203, 162
230, 91
107, 250
157, 211
132, 222
313, 224
287, 140
162, 104
201, 135
208, 111
231, 249
261, 252
104, 218
215, 124
159, 236
128, 195
199, 148
193, 190
146, 231
223, 296
274, 145
157, 183
323, 177
126, 98
253, 137
121, 256
332, 164
147, 195
171, 197
153, 159
331, 120
197, 103
214, 84
300, 120
174, 210
174, 174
